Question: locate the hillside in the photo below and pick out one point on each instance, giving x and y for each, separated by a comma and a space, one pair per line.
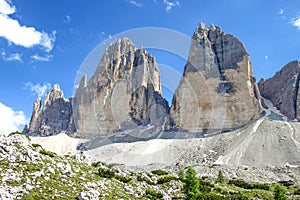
30, 172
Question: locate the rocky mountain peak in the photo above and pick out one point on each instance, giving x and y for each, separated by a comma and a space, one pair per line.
217, 90
125, 90
53, 116
53, 95
283, 90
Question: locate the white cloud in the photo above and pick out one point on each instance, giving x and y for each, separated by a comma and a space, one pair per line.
11, 57
133, 2
11, 120
296, 22
6, 8
170, 4
281, 11
67, 19
22, 35
38, 89
37, 58
266, 57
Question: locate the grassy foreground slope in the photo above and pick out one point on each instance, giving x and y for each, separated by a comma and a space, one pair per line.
27, 171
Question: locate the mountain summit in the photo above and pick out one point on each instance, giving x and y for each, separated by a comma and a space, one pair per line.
125, 92
217, 90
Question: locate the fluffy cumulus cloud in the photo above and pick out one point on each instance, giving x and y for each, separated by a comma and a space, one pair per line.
170, 4
11, 57
37, 58
11, 120
296, 22
38, 89
22, 35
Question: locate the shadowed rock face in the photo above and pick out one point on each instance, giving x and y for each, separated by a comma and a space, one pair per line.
283, 90
52, 118
125, 92
217, 90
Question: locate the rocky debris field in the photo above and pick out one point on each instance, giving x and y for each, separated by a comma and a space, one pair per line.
27, 171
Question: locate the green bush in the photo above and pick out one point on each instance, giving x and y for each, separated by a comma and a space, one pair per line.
221, 178
165, 179
249, 186
95, 164
205, 186
286, 183
159, 172
238, 196
154, 194
106, 173
47, 153
37, 145
210, 196
279, 193
141, 179
123, 178
297, 192
190, 184
27, 197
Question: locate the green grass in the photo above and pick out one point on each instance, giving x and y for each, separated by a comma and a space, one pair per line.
53, 183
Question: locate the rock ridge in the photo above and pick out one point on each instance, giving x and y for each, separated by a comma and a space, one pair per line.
283, 90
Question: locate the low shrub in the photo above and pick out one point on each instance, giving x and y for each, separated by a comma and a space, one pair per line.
47, 153
37, 145
279, 193
159, 172
297, 192
220, 178
123, 178
154, 194
27, 197
166, 179
106, 173
141, 179
286, 183
249, 186
210, 196
238, 196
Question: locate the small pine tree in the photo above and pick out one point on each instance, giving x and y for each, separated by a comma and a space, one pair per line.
191, 184
279, 193
221, 178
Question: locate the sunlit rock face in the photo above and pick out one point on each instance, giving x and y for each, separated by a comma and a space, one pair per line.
124, 92
217, 90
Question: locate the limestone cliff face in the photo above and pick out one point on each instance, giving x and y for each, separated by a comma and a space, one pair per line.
53, 117
124, 92
283, 90
217, 90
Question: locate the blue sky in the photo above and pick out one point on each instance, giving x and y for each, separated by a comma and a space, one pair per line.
45, 42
